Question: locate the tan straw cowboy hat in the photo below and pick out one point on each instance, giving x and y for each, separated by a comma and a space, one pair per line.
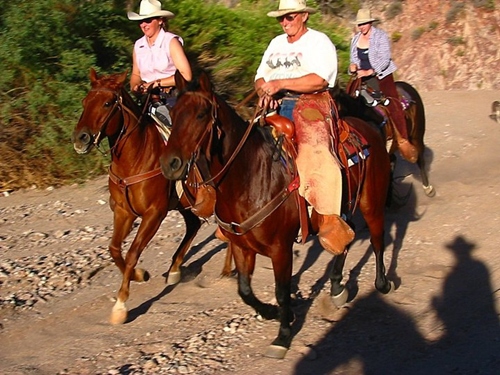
291, 6
364, 16
149, 9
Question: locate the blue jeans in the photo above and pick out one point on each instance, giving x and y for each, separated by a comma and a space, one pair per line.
286, 107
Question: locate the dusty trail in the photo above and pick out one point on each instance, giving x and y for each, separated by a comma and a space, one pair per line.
441, 251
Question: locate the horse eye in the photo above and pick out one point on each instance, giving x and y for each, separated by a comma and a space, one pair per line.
108, 104
202, 114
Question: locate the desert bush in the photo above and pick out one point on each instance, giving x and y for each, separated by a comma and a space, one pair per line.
394, 9
417, 33
454, 11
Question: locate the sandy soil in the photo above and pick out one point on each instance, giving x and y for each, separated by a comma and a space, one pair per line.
442, 253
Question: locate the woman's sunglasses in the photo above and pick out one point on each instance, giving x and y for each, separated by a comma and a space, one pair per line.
288, 17
147, 20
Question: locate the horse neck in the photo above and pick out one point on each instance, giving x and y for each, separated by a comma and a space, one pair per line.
139, 145
253, 162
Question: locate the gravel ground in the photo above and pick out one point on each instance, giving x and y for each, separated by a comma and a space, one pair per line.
58, 283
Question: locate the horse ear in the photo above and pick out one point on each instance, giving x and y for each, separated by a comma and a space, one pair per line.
180, 81
205, 83
93, 75
122, 77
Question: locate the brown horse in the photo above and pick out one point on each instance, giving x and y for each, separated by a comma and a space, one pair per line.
252, 183
353, 105
136, 185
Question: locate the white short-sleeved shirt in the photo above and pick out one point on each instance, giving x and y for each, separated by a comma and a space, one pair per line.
314, 52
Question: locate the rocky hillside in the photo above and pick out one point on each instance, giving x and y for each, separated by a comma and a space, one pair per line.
444, 45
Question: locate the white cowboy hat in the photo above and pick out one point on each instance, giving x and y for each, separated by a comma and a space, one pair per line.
291, 6
364, 16
149, 9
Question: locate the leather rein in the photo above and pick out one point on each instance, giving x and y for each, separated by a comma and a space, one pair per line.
126, 182
248, 224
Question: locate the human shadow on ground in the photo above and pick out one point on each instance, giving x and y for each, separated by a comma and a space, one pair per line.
376, 337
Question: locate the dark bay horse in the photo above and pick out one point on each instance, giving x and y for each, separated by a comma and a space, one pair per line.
349, 105
136, 185
250, 182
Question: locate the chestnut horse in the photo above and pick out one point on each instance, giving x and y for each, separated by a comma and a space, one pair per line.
252, 183
351, 105
136, 185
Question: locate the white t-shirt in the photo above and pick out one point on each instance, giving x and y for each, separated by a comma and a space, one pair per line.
314, 52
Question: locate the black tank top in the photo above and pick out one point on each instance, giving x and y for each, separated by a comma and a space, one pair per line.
364, 63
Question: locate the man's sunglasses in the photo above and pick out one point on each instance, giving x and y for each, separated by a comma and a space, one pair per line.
288, 17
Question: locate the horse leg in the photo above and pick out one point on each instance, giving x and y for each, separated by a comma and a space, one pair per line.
282, 266
428, 188
245, 265
193, 224
338, 292
375, 222
227, 270
149, 226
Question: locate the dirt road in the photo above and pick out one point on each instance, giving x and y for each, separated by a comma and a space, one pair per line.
57, 281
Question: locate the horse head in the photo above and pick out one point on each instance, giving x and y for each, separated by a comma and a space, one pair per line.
194, 128
102, 111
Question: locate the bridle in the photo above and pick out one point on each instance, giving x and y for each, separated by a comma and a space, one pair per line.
208, 132
117, 106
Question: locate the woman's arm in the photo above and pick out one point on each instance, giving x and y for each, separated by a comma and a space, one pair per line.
180, 61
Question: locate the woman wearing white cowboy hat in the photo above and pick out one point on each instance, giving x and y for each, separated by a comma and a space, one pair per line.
304, 61
157, 55
371, 57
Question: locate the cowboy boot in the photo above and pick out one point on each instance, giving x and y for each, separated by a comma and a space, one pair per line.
334, 233
407, 150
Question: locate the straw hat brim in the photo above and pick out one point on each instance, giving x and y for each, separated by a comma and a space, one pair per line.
282, 12
160, 13
365, 20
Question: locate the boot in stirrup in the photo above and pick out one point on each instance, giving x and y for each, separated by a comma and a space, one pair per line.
334, 233
407, 150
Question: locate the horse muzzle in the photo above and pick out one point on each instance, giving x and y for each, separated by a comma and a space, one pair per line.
174, 168
82, 142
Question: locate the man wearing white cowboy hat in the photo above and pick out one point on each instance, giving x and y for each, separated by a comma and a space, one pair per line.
304, 61
371, 57
156, 57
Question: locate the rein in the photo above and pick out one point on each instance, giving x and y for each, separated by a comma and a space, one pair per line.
209, 130
122, 183
248, 224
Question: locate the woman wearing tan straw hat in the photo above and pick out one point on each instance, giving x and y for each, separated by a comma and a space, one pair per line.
156, 56
371, 57
304, 61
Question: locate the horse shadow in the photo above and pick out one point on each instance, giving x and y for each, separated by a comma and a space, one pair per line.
189, 272
397, 215
377, 337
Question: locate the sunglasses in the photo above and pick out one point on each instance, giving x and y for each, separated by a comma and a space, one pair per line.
288, 17
147, 20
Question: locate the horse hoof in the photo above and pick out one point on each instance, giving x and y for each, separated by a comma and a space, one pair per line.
173, 278
429, 191
340, 299
276, 351
118, 316
141, 275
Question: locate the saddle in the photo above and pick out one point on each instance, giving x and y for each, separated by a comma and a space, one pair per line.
349, 147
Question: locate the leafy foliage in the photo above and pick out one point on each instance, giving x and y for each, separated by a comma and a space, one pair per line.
49, 46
